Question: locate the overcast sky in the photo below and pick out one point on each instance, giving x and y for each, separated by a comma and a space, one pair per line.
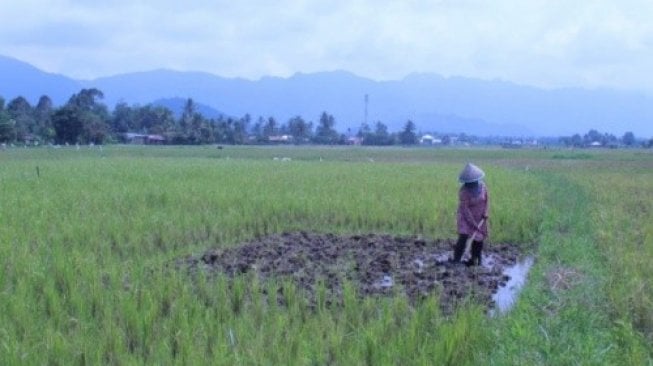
544, 43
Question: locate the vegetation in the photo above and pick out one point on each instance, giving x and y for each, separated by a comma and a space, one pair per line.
89, 235
84, 119
594, 138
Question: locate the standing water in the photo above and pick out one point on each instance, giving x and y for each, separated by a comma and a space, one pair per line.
506, 296
385, 282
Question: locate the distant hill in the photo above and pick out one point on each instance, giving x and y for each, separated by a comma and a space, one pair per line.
433, 102
176, 105
18, 78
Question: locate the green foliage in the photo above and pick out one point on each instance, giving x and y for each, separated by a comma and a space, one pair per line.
325, 132
628, 139
380, 136
300, 130
68, 125
574, 155
408, 135
623, 212
20, 111
82, 120
7, 127
43, 119
87, 253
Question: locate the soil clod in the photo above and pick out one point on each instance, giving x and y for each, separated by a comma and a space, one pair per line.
375, 264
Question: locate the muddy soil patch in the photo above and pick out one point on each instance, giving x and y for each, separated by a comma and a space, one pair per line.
376, 264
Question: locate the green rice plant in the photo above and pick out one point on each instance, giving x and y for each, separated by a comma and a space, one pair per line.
622, 212
460, 338
86, 251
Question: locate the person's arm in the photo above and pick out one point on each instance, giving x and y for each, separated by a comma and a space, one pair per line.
486, 213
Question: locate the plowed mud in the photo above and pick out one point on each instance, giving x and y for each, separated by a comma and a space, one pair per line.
378, 265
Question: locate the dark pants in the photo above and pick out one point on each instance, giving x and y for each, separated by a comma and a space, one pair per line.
477, 249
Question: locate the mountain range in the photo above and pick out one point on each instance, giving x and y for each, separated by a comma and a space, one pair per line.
434, 103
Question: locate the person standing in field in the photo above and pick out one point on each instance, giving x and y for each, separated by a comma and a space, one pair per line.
472, 214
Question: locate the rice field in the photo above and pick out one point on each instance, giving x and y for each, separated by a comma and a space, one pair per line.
87, 237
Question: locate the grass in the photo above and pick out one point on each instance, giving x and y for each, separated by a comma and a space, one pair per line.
84, 247
624, 234
547, 326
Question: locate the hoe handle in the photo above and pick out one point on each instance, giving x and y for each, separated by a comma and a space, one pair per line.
473, 236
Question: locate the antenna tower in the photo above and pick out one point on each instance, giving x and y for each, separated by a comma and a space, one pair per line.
367, 100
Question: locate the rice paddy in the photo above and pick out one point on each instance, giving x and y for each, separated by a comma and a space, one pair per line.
87, 237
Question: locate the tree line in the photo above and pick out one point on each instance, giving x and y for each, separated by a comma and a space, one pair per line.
596, 138
84, 119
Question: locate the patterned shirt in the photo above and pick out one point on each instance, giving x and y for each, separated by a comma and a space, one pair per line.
472, 207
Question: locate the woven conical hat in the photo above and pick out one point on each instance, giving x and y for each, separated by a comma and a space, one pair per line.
471, 173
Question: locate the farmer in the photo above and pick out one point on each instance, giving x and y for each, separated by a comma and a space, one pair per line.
472, 214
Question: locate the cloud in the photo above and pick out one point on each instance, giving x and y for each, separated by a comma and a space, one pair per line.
542, 42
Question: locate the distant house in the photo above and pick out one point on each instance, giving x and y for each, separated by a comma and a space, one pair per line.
143, 139
429, 140
513, 144
595, 144
354, 140
517, 143
31, 139
155, 139
280, 139
134, 138
426, 140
